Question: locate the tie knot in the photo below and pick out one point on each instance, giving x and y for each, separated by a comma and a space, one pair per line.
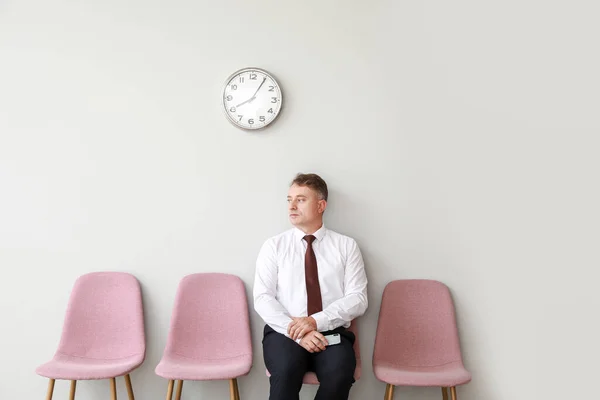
309, 239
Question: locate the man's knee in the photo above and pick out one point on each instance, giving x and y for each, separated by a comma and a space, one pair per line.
341, 376
340, 373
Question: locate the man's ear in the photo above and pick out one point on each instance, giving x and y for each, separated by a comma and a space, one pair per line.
322, 206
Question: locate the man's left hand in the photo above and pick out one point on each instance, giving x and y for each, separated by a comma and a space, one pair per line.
300, 326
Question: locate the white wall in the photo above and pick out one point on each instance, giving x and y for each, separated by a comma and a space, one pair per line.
459, 140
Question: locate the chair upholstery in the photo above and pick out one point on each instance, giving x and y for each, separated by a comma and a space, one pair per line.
209, 336
103, 331
417, 341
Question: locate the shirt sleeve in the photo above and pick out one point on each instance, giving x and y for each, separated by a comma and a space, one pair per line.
355, 302
265, 290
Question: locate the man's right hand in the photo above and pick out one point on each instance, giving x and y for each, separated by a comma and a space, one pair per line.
313, 342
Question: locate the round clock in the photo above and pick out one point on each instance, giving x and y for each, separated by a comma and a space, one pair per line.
252, 98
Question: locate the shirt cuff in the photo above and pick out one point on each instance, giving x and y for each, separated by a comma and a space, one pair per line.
322, 321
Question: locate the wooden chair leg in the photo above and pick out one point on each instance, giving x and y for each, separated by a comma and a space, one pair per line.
232, 389
237, 390
234, 393
170, 390
179, 389
129, 388
453, 392
50, 389
444, 393
113, 389
389, 392
72, 393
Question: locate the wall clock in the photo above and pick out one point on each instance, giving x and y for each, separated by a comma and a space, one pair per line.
252, 98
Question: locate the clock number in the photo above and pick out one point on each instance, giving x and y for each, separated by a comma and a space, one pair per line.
233, 87
261, 118
229, 98
271, 88
270, 110
232, 109
241, 79
240, 116
251, 121
273, 99
252, 76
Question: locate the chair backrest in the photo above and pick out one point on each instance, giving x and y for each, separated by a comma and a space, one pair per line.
104, 318
210, 318
417, 325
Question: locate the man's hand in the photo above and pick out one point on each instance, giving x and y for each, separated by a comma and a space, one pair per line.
314, 342
300, 326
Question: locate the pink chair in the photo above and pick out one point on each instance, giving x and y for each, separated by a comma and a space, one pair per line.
209, 336
103, 332
310, 378
417, 340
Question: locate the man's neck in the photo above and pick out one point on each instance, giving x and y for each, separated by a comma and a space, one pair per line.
309, 230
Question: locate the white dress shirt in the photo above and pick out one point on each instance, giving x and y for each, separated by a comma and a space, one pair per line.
280, 288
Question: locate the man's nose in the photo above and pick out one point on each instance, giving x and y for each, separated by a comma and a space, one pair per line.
292, 205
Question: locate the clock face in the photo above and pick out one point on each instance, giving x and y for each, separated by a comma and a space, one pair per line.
252, 98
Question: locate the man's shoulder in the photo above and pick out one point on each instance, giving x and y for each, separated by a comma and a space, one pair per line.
279, 239
339, 237
285, 235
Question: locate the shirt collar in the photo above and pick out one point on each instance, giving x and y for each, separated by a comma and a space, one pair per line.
319, 234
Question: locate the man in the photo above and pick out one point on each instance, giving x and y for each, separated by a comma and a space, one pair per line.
310, 282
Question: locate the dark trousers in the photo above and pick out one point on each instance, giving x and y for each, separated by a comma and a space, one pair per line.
287, 362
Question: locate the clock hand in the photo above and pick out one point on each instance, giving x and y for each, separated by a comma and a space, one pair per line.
262, 83
254, 95
247, 101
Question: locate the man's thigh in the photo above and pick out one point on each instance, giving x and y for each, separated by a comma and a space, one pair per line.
282, 355
338, 359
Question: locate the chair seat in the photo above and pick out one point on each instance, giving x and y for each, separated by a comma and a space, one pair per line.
64, 366
310, 378
447, 375
177, 367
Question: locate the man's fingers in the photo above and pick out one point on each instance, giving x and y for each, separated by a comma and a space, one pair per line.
299, 330
292, 325
318, 343
295, 332
319, 336
304, 331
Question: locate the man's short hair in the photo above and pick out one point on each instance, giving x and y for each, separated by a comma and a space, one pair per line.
313, 181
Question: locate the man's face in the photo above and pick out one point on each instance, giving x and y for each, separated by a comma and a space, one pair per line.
304, 206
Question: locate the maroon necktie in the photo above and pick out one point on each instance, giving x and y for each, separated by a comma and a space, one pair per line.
313, 290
